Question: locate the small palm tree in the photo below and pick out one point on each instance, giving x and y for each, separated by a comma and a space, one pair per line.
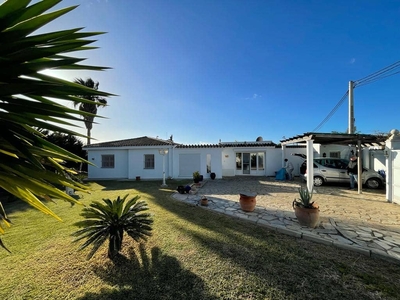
91, 108
110, 221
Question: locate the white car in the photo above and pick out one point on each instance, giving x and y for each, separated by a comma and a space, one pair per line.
328, 169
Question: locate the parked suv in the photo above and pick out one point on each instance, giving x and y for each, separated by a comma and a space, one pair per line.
328, 169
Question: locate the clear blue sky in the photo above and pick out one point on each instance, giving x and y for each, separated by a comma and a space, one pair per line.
204, 70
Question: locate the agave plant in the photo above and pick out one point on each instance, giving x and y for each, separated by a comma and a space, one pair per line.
28, 101
110, 220
305, 198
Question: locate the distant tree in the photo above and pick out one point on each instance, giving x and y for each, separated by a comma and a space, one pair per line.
70, 143
91, 106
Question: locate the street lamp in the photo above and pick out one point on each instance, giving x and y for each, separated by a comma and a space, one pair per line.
163, 152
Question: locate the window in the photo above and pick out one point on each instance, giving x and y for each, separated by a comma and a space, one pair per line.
253, 161
149, 161
107, 161
238, 161
334, 154
261, 161
250, 161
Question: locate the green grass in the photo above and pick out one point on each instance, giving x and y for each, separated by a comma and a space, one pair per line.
193, 254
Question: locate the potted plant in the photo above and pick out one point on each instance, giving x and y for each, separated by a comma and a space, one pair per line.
196, 177
306, 211
204, 201
212, 175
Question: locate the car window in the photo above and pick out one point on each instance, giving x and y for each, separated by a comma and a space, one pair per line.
342, 164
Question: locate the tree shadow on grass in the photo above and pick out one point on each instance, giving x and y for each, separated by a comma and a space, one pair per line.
148, 277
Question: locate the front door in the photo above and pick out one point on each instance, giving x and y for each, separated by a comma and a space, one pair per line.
250, 163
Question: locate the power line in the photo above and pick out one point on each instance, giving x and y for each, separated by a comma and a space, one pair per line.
383, 73
378, 74
332, 111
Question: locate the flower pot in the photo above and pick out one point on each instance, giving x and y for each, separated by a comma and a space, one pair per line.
247, 201
196, 180
137, 178
204, 201
201, 178
308, 217
212, 175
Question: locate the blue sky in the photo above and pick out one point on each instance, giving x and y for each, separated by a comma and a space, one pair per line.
205, 70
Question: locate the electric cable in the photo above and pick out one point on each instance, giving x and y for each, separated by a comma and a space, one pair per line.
332, 111
391, 69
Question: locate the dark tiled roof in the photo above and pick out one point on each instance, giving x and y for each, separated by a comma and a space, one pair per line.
200, 146
248, 144
230, 144
136, 142
148, 141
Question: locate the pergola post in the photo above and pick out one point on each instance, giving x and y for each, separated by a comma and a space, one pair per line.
310, 165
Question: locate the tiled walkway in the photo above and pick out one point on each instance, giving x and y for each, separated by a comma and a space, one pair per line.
365, 222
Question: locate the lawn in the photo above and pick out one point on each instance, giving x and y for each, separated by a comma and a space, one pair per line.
192, 254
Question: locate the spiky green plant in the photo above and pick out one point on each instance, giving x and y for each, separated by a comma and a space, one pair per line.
305, 198
27, 100
110, 221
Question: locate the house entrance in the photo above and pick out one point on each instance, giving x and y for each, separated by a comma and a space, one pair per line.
250, 163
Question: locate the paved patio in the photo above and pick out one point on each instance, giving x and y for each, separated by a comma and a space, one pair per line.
365, 222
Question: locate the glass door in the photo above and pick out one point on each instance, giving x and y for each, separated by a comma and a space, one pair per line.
246, 163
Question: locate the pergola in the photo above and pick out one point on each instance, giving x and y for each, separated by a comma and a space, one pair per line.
359, 140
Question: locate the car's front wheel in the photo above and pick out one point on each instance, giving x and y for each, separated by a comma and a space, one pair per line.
318, 181
373, 183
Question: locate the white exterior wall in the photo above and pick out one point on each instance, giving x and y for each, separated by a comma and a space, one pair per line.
136, 164
228, 157
120, 162
128, 164
272, 160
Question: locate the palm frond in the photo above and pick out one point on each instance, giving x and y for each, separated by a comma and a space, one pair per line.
28, 100
111, 219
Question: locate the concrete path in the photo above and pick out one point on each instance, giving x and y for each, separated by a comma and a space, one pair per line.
365, 222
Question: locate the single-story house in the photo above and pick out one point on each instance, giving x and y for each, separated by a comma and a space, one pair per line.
150, 158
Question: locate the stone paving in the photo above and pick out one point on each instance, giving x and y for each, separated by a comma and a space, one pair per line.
364, 222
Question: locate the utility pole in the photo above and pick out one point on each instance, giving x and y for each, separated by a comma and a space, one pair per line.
350, 129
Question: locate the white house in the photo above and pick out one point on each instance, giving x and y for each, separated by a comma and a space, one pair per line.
128, 159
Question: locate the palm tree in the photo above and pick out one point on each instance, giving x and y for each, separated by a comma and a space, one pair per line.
26, 102
110, 221
89, 107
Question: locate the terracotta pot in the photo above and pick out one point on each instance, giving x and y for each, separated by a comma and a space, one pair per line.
247, 202
204, 201
307, 216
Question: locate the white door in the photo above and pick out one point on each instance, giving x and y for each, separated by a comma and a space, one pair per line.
188, 163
